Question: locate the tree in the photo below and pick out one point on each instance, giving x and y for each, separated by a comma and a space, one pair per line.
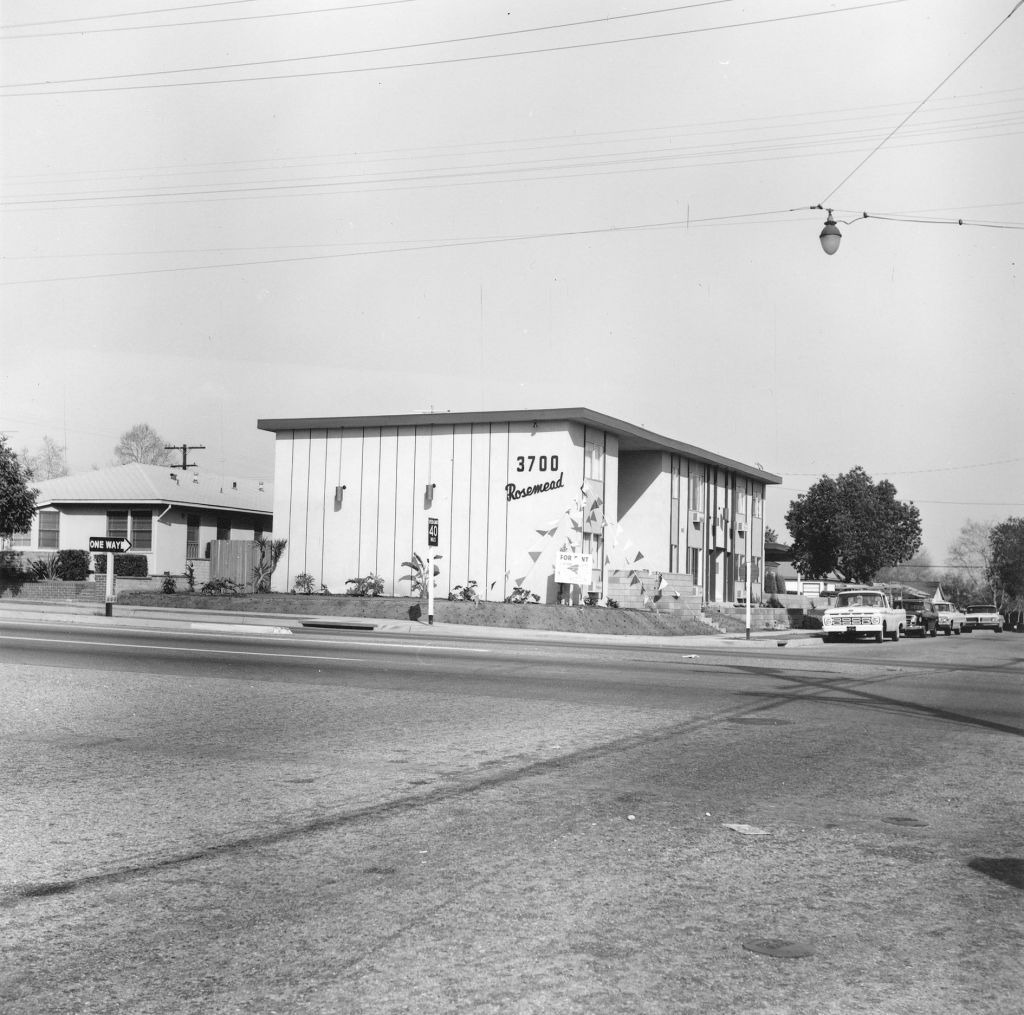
770, 535
852, 527
141, 444
17, 498
918, 568
970, 553
1005, 569
50, 463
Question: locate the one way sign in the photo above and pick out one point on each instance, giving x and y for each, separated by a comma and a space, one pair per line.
103, 544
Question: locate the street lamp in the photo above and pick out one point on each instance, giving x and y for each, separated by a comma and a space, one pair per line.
830, 235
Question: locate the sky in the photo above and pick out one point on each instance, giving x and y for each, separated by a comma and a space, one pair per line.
216, 212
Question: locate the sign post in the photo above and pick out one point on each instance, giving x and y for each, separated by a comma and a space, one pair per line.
104, 544
432, 532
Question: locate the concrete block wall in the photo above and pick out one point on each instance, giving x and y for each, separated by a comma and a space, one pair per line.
680, 595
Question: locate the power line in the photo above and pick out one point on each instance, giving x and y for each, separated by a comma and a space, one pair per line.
428, 63
479, 241
921, 103
178, 24
124, 14
370, 52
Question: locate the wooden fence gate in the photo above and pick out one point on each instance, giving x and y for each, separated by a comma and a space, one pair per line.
234, 559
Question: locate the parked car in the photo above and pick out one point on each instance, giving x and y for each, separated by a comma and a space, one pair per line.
951, 620
984, 617
863, 611
922, 617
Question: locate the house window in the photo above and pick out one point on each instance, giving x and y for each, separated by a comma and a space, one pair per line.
49, 530
117, 524
224, 527
21, 538
758, 500
142, 530
257, 529
192, 537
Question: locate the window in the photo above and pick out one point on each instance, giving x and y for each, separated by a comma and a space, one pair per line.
192, 537
142, 530
758, 500
224, 527
257, 529
49, 530
117, 524
21, 538
696, 487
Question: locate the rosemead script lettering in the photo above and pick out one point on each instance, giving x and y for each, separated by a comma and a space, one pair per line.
512, 492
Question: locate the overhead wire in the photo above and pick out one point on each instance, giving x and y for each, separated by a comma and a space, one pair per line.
471, 58
183, 24
909, 115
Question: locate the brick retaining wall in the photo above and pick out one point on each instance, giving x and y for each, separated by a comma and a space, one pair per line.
54, 591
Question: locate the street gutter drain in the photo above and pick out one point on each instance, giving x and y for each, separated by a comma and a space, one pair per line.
777, 948
756, 721
906, 822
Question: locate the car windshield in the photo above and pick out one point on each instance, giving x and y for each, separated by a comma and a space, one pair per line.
858, 599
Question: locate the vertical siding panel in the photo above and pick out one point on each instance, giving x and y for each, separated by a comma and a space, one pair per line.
369, 502
386, 517
348, 518
495, 585
315, 506
458, 535
441, 450
284, 450
405, 505
333, 527
297, 519
479, 479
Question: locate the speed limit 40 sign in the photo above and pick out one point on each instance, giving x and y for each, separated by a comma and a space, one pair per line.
431, 532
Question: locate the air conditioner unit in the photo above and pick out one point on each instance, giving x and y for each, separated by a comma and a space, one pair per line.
696, 517
741, 526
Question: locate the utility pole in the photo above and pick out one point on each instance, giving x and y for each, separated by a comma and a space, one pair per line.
185, 449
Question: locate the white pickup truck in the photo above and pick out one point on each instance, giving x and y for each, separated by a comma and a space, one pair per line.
951, 620
863, 611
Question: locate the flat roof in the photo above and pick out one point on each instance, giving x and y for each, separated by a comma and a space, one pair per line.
631, 438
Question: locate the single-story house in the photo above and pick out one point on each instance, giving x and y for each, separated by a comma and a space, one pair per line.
527, 500
171, 515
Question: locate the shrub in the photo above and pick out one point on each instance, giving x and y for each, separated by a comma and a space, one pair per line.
126, 565
613, 604
304, 583
74, 565
46, 568
371, 585
169, 585
419, 567
521, 595
190, 576
464, 593
221, 587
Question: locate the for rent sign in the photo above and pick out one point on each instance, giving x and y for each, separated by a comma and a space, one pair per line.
572, 568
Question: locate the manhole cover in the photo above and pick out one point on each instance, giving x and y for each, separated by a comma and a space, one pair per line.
777, 948
756, 721
906, 822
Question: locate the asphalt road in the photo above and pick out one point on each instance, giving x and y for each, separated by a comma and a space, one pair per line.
355, 822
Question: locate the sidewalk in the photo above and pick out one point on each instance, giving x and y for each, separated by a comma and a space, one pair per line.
212, 621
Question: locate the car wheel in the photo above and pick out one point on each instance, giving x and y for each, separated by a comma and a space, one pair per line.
947, 631
895, 635
959, 630
879, 635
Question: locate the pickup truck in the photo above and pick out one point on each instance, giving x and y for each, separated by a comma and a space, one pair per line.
863, 611
922, 617
982, 617
951, 620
